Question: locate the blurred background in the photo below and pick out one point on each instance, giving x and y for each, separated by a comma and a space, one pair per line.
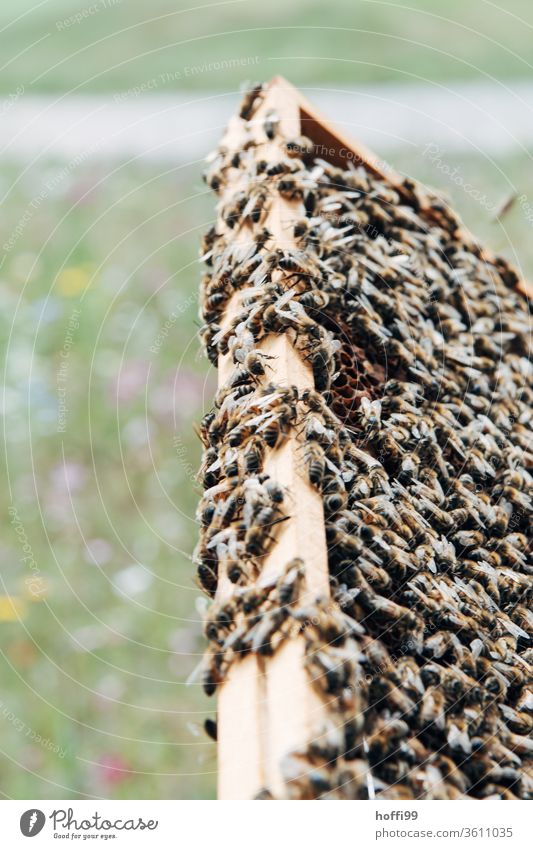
107, 109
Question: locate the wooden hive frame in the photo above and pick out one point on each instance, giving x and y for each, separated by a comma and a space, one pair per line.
267, 706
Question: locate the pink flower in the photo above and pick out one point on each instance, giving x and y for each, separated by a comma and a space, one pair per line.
179, 395
113, 769
130, 382
68, 476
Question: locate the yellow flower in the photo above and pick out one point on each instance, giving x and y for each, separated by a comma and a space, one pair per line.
35, 588
12, 608
73, 280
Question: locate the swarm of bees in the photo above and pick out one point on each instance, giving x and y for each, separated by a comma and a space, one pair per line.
417, 435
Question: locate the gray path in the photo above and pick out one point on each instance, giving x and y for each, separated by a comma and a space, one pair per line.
478, 117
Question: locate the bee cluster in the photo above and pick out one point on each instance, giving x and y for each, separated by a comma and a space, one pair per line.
417, 436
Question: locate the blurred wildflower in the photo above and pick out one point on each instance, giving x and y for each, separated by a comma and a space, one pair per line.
171, 526
31, 758
110, 687
130, 381
136, 432
154, 276
185, 640
25, 265
179, 395
68, 476
113, 769
46, 310
12, 608
35, 588
73, 280
21, 653
133, 580
84, 190
89, 638
97, 552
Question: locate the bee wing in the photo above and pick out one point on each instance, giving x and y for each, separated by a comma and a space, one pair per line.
514, 629
195, 676
331, 466
265, 400
260, 420
218, 538
284, 299
202, 605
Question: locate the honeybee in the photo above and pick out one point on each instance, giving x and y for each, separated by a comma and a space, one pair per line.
207, 576
432, 708
263, 795
291, 580
270, 623
316, 463
271, 123
383, 691
386, 737
301, 147
273, 490
257, 538
425, 492
211, 678
245, 271
249, 100
519, 722
210, 728
294, 187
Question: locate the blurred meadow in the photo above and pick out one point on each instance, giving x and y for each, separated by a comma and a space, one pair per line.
103, 378
98, 316
120, 43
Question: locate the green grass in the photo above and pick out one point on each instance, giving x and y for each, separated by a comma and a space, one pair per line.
180, 45
98, 674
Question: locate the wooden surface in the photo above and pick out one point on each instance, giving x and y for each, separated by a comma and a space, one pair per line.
267, 706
